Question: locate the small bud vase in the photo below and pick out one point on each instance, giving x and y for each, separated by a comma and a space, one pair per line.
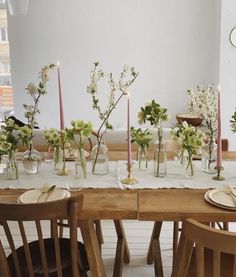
31, 160
57, 158
160, 155
142, 158
209, 157
12, 166
99, 157
189, 167
160, 159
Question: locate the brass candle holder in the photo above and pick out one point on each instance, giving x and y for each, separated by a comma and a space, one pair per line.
65, 171
129, 180
218, 177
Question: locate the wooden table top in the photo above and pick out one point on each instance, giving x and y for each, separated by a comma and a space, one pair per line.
178, 205
98, 203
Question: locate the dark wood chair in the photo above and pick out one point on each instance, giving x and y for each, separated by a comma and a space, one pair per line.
205, 252
49, 255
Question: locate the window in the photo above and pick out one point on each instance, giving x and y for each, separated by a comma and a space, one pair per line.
6, 92
3, 34
5, 67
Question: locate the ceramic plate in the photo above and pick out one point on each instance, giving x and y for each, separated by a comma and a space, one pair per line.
220, 199
37, 196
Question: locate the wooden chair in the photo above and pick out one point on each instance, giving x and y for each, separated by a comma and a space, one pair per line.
205, 251
49, 255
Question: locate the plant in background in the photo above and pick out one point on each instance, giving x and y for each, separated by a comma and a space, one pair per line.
143, 139
190, 140
81, 130
155, 115
117, 91
233, 122
203, 103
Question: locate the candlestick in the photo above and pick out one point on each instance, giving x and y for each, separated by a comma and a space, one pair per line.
64, 171
128, 133
219, 166
129, 180
219, 144
60, 97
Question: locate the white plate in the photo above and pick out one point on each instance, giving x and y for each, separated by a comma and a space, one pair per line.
35, 195
220, 199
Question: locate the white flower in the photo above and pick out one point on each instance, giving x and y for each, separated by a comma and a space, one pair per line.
203, 103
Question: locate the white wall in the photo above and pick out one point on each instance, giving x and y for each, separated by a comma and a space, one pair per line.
173, 44
228, 69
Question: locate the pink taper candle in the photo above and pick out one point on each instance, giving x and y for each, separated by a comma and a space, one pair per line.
219, 146
128, 132
60, 97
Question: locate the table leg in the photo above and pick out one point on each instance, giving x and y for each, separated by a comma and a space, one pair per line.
122, 250
92, 248
175, 240
98, 229
154, 250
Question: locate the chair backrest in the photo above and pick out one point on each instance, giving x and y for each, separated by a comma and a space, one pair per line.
202, 240
24, 223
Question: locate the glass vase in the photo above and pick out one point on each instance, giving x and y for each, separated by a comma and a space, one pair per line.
160, 159
189, 167
99, 158
142, 158
12, 166
57, 158
80, 170
209, 157
160, 155
31, 160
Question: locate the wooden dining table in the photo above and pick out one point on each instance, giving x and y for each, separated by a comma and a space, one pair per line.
144, 204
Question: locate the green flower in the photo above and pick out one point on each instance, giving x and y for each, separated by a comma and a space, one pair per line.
153, 113
142, 138
81, 129
53, 137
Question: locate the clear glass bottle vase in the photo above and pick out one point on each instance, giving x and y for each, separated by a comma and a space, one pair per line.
31, 160
12, 166
142, 158
99, 158
81, 166
209, 153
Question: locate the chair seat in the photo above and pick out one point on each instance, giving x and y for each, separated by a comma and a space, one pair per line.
50, 254
227, 261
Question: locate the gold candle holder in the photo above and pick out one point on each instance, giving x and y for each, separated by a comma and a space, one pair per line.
65, 171
129, 180
218, 177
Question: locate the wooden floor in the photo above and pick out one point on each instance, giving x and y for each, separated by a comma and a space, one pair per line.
138, 236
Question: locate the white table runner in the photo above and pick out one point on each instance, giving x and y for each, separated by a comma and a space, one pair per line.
117, 170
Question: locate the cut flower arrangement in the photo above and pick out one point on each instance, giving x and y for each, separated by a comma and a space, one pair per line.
81, 130
143, 139
155, 114
190, 140
203, 102
31, 159
117, 91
